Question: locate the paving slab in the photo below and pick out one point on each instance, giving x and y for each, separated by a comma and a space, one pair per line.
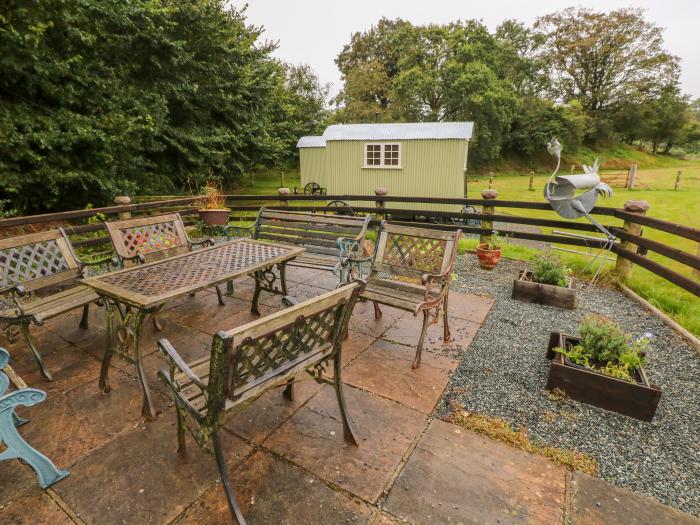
270, 410
306, 291
596, 502
406, 330
16, 479
469, 307
269, 491
313, 439
383, 519
363, 320
69, 426
457, 476
31, 508
385, 369
139, 478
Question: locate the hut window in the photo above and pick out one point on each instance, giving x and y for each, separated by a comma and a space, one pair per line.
383, 155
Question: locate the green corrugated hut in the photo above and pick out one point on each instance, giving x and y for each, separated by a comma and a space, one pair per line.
427, 159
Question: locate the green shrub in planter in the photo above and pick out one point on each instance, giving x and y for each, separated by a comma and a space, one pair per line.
547, 268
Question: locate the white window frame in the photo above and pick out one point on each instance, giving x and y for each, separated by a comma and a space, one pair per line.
382, 159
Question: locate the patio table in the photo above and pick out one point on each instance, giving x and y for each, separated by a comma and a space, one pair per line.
142, 290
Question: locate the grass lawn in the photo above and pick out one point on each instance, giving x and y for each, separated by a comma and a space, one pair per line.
654, 185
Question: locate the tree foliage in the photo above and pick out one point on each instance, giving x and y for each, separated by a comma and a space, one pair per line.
106, 97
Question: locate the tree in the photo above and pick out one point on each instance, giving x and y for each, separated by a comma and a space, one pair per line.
604, 60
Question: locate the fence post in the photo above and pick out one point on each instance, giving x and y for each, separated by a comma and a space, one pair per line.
284, 191
695, 270
490, 179
487, 224
677, 186
532, 181
631, 176
380, 192
123, 200
623, 267
573, 168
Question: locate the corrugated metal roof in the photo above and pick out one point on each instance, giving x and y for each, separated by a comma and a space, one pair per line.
400, 131
311, 142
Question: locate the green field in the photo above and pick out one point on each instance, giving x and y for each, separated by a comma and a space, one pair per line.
654, 185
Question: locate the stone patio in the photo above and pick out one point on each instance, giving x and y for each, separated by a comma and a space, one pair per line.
288, 460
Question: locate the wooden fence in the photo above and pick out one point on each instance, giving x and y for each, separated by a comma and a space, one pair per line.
631, 246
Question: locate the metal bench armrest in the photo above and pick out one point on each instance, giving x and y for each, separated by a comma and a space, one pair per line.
177, 362
110, 261
204, 242
237, 229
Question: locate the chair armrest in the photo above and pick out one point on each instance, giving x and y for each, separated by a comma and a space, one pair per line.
204, 242
110, 261
237, 229
14, 293
432, 277
138, 259
176, 361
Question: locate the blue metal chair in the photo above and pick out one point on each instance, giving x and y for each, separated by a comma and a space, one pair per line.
16, 446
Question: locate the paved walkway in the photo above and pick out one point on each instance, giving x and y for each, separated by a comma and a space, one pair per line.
288, 460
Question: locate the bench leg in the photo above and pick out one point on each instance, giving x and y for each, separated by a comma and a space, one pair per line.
377, 311
232, 503
446, 327
148, 410
181, 431
419, 349
17, 447
256, 295
348, 432
283, 277
288, 391
218, 294
24, 327
229, 288
84, 320
156, 323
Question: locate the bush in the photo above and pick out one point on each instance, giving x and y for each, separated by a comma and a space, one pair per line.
606, 348
547, 268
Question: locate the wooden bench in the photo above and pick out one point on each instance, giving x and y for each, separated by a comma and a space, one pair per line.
149, 239
38, 274
250, 359
411, 270
328, 240
15, 445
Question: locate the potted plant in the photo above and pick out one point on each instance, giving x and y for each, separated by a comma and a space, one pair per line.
603, 367
489, 253
212, 204
547, 283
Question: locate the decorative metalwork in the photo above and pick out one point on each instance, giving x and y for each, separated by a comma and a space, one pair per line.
151, 238
19, 264
197, 268
424, 254
15, 445
560, 190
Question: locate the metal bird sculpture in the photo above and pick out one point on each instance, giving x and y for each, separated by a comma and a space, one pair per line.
560, 190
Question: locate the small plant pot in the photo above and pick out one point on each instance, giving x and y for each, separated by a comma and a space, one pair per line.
214, 217
488, 259
525, 289
638, 400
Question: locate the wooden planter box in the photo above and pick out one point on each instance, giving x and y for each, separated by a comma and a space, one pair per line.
525, 289
588, 386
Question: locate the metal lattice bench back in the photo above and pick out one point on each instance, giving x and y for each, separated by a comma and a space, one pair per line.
328, 239
31, 267
411, 269
247, 361
149, 238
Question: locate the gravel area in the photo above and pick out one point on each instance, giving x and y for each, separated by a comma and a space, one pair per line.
504, 372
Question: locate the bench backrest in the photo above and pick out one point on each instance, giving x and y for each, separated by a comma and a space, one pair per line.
412, 252
153, 238
37, 260
251, 358
316, 232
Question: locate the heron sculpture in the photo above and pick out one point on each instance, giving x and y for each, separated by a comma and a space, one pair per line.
560, 191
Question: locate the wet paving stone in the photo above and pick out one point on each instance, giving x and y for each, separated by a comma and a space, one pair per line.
313, 439
32, 508
457, 476
271, 491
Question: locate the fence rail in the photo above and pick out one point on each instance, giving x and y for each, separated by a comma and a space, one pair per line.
630, 245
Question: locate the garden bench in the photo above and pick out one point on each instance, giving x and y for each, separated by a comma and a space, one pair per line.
411, 270
15, 446
38, 275
152, 238
250, 359
328, 240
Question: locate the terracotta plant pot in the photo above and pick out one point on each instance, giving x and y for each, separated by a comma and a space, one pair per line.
214, 217
488, 259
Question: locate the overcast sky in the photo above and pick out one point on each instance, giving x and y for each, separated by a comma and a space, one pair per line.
314, 31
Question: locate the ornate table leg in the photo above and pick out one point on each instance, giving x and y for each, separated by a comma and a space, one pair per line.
148, 410
109, 349
265, 280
